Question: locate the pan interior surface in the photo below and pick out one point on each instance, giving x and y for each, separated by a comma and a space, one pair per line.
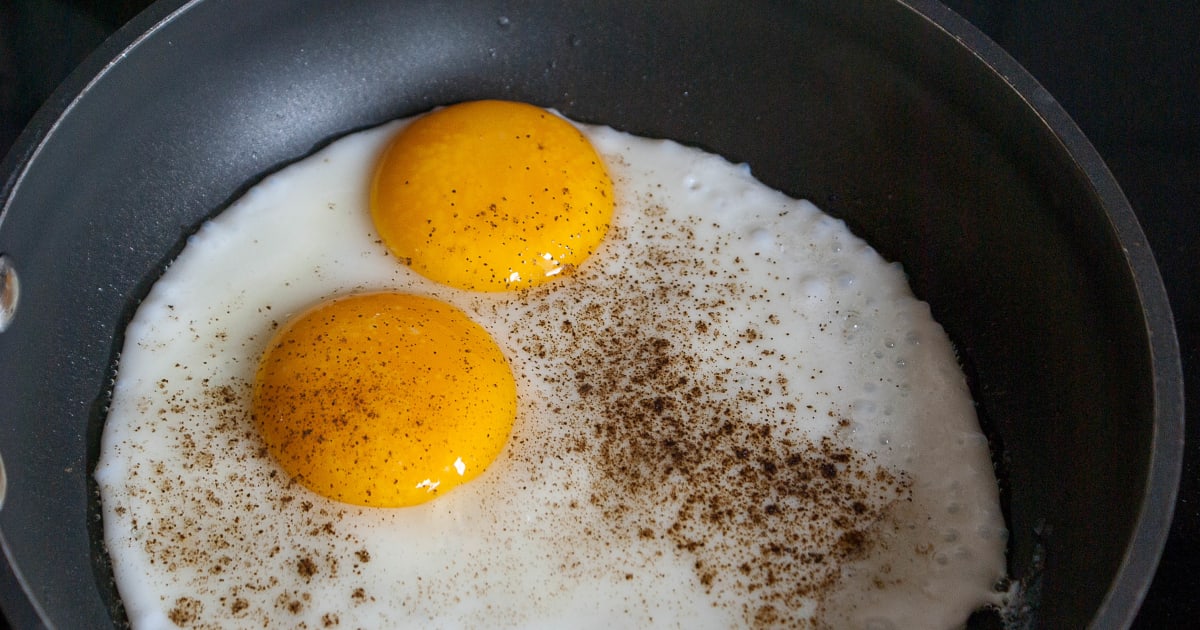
1015, 236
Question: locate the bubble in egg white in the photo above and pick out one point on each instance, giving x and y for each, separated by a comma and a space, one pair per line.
724, 347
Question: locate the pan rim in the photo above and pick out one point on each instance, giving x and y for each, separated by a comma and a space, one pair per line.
18, 602
1120, 605
1152, 527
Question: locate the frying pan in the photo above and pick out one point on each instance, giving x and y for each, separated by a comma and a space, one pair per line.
894, 115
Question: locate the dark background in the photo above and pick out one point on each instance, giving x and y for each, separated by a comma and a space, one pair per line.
1127, 71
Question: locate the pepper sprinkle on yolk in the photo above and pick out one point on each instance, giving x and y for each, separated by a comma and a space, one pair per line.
384, 399
491, 196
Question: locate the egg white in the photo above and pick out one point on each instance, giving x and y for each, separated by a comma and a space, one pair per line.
716, 311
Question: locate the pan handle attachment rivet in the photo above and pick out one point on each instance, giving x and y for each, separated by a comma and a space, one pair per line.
10, 290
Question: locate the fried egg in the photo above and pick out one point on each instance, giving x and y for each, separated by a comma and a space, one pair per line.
727, 411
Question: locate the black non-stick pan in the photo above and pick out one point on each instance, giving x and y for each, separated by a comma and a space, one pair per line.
894, 115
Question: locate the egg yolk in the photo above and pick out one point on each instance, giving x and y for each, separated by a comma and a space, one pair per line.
491, 196
384, 399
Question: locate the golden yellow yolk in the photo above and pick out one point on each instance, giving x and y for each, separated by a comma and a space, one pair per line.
384, 399
491, 196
